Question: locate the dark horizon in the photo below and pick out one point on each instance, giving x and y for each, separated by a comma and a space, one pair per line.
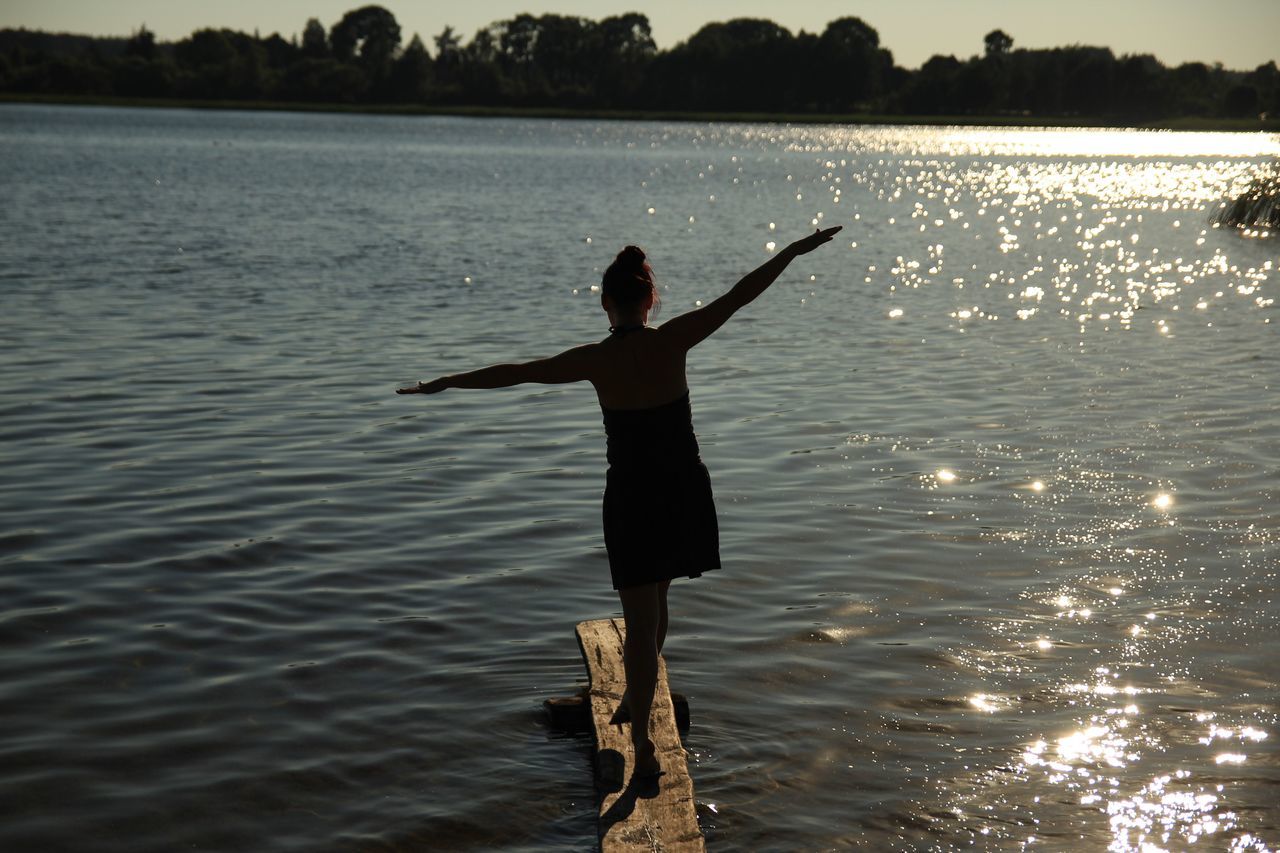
744, 65
1233, 33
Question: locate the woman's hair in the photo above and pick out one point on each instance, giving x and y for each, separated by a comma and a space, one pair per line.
629, 279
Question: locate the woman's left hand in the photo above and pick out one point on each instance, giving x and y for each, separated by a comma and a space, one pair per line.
435, 386
805, 245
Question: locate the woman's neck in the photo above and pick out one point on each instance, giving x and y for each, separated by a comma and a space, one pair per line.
631, 321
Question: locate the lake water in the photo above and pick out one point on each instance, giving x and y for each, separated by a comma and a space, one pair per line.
996, 475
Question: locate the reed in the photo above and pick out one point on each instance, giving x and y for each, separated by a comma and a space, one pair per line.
1257, 209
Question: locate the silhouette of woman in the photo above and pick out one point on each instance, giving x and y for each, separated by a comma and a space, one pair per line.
659, 517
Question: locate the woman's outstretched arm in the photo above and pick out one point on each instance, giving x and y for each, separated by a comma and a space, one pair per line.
690, 329
572, 365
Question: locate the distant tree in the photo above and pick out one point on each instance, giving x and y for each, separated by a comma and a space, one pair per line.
1241, 101
1142, 90
1089, 79
853, 32
997, 43
411, 73
142, 72
542, 59
978, 89
142, 44
739, 34
1193, 75
931, 90
315, 43
627, 37
136, 77
1266, 80
221, 64
280, 53
851, 66
516, 38
566, 53
483, 49
626, 49
204, 48
1025, 81
447, 42
448, 58
477, 78
734, 65
247, 78
985, 85
369, 34
61, 75
368, 38
1191, 83
324, 80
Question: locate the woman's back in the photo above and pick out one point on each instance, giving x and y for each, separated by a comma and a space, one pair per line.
639, 368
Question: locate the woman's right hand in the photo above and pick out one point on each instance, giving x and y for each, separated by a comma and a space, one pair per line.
435, 386
805, 245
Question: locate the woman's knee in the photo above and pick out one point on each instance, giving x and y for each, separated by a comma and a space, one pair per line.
640, 603
642, 638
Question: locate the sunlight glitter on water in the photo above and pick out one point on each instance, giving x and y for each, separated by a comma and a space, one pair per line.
1035, 142
1163, 813
1113, 758
1094, 270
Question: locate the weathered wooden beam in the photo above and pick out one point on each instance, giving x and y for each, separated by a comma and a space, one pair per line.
645, 815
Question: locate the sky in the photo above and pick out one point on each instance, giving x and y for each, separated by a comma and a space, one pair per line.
1241, 34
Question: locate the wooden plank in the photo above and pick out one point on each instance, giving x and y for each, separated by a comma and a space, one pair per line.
653, 815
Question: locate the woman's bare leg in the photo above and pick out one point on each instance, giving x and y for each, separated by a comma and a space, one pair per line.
641, 608
623, 714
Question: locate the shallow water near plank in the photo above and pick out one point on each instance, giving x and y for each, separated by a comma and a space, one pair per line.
995, 473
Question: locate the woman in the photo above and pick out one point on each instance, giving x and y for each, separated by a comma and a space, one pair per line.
659, 517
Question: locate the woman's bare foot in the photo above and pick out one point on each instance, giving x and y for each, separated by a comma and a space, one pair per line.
647, 764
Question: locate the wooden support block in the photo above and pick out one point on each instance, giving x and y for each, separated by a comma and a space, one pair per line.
572, 714
650, 814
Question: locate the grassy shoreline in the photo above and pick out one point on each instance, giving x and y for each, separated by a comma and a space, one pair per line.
1195, 123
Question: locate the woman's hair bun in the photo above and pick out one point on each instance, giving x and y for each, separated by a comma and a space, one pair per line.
629, 279
631, 256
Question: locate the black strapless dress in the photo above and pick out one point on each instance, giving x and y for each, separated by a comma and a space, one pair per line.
659, 514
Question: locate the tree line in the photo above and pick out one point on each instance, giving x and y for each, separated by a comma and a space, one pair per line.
741, 65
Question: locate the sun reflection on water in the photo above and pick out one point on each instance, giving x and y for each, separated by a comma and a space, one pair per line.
1165, 812
1106, 236
1126, 742
1072, 222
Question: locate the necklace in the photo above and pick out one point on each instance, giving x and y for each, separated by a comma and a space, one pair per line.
621, 330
